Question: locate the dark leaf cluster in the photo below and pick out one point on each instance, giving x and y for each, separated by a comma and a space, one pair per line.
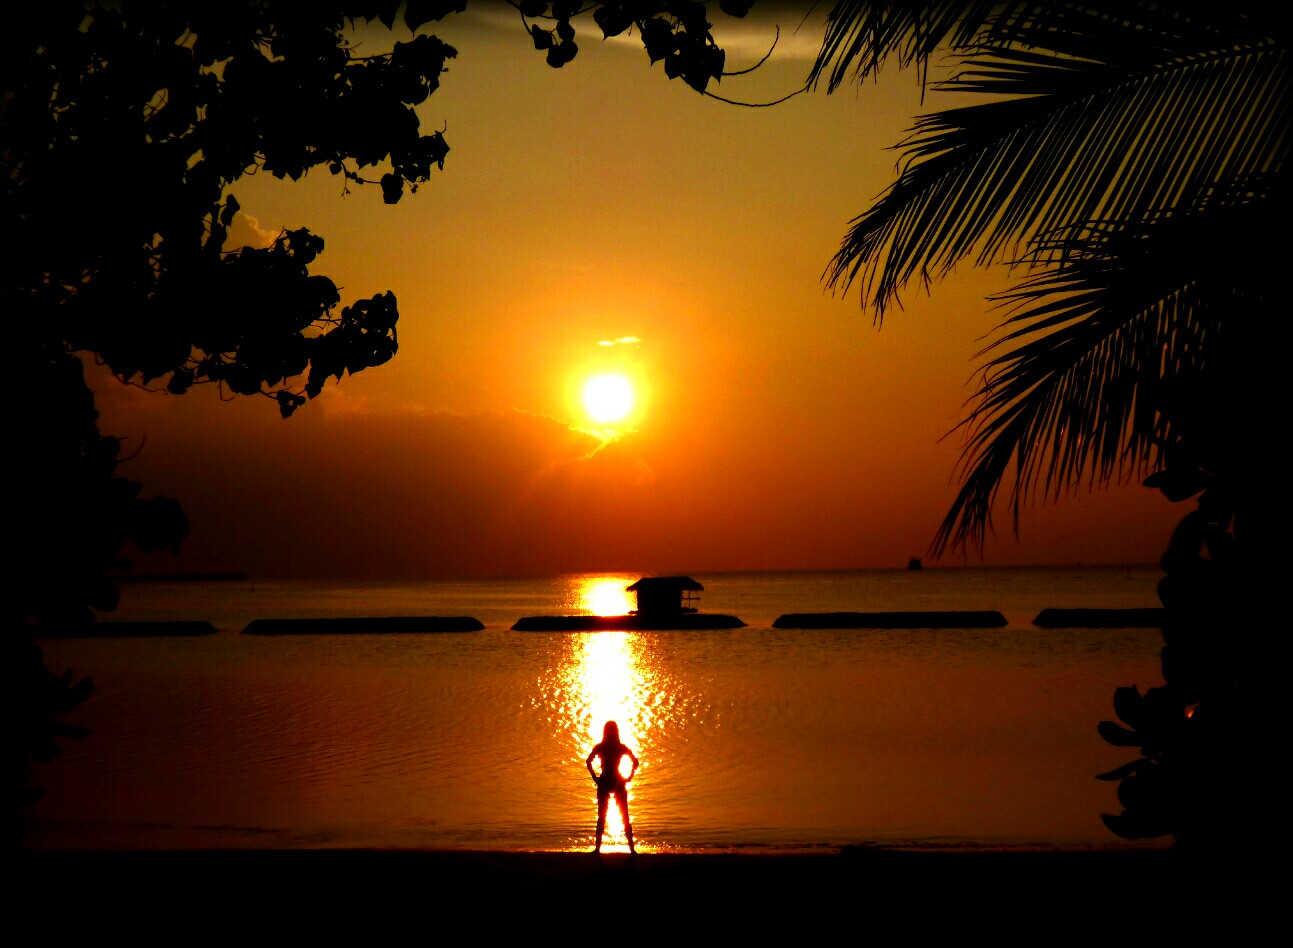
1202, 733
123, 130
1155, 722
125, 127
36, 698
676, 32
70, 518
71, 514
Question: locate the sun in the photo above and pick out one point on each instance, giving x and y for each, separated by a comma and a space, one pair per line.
608, 397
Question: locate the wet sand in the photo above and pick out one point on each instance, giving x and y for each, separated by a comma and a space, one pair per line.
859, 893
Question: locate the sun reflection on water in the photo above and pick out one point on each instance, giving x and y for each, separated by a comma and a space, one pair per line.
610, 676
609, 683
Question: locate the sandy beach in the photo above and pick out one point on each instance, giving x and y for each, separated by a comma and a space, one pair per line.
859, 891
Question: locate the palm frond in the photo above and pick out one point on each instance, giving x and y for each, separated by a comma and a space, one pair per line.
1123, 153
860, 36
1073, 139
1129, 313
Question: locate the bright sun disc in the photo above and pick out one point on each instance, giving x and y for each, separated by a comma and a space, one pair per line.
608, 397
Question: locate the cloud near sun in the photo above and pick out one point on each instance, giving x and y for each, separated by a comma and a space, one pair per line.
410, 494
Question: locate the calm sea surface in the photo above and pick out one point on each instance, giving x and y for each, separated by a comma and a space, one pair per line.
754, 737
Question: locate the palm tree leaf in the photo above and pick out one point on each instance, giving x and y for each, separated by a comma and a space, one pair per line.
860, 36
1115, 152
1098, 342
985, 179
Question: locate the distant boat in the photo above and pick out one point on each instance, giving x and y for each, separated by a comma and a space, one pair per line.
914, 563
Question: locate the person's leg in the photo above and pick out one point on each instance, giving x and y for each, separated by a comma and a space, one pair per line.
601, 817
622, 798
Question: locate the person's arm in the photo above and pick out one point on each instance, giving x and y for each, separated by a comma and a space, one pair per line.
633, 757
589, 762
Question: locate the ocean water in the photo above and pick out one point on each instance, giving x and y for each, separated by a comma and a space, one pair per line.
754, 738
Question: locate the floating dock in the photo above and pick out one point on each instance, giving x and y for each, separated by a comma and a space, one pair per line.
890, 620
628, 623
368, 626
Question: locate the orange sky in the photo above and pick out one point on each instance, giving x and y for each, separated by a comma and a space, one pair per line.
777, 428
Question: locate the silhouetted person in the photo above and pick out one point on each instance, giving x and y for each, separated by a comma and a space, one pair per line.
610, 780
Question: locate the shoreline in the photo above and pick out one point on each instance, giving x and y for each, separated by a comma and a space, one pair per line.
122, 870
325, 890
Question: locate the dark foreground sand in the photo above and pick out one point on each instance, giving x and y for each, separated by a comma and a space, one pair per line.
856, 895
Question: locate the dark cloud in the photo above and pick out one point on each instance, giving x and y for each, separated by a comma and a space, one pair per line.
373, 495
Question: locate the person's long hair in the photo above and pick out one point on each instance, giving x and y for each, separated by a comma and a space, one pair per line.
611, 733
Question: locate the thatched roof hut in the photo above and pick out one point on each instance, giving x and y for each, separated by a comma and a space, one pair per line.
660, 595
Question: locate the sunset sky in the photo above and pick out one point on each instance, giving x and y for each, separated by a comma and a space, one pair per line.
774, 427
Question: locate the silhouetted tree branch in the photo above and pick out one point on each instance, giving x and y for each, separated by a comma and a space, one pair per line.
124, 129
675, 32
